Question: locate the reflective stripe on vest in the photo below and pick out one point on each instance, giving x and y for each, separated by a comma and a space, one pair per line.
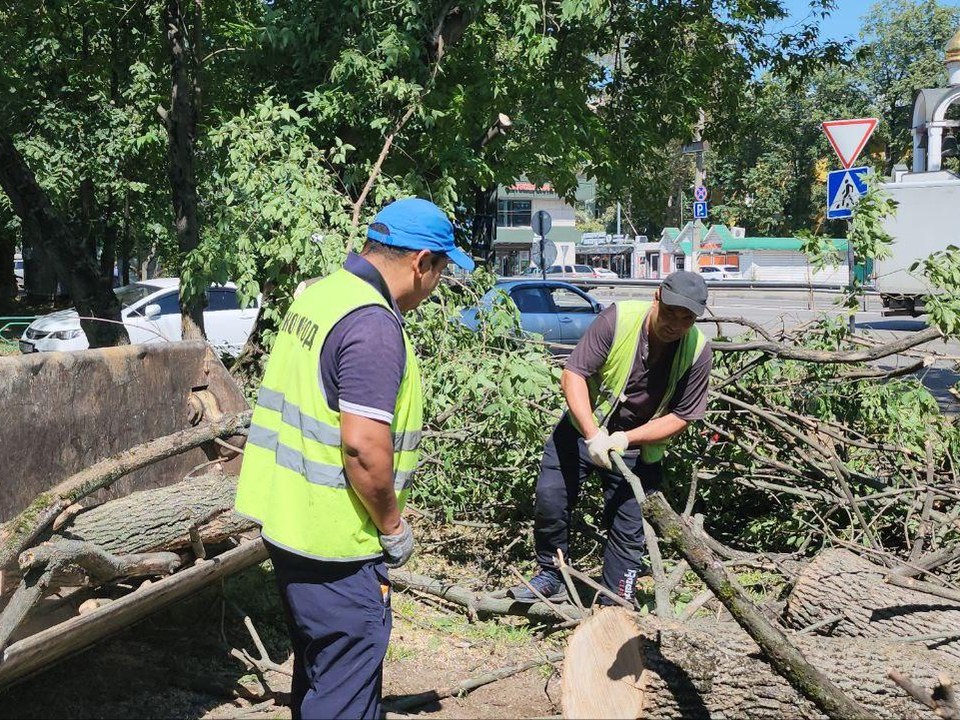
317, 429
293, 481
607, 387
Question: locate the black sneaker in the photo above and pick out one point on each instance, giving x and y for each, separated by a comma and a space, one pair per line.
548, 584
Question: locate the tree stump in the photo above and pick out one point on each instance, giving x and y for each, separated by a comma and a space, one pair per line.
706, 669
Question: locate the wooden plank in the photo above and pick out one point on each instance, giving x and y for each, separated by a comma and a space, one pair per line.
603, 668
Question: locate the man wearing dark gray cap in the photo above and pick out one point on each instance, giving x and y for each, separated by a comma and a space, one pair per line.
637, 379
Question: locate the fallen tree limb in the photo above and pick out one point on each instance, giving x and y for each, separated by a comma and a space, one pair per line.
838, 582
161, 518
661, 593
706, 669
785, 658
409, 702
43, 648
941, 700
481, 604
924, 587
23, 530
791, 352
71, 563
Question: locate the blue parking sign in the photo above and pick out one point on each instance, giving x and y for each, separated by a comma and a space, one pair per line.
700, 211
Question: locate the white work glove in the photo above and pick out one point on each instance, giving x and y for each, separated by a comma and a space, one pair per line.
600, 445
398, 548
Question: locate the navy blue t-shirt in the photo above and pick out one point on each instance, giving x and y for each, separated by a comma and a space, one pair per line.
363, 358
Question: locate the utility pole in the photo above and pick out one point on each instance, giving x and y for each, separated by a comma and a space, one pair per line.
618, 217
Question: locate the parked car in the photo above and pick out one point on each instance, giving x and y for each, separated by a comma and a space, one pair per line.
604, 274
151, 313
557, 311
712, 273
561, 272
18, 270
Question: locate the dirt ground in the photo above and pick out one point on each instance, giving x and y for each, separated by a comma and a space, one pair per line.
177, 664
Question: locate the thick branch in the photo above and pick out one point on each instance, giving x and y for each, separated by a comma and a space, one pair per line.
786, 659
24, 529
789, 352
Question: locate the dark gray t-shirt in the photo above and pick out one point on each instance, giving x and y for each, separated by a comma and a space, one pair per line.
647, 383
363, 357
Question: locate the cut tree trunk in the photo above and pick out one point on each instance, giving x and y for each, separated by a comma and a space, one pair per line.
25, 528
709, 669
76, 269
839, 582
161, 519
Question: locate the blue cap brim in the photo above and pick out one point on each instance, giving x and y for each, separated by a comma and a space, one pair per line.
461, 259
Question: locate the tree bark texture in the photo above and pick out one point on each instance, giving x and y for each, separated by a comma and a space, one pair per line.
25, 528
76, 269
714, 670
181, 123
161, 519
839, 582
779, 650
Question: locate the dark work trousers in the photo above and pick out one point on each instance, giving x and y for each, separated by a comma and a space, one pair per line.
339, 621
565, 466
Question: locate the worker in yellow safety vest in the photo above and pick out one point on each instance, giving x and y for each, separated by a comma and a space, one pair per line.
332, 450
636, 379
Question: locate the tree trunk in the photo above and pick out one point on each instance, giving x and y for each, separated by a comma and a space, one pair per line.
181, 124
8, 281
161, 519
708, 669
838, 582
76, 270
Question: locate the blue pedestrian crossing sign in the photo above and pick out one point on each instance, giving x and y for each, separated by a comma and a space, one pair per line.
844, 189
700, 211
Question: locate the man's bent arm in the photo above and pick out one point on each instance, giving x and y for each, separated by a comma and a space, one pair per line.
657, 430
368, 462
578, 400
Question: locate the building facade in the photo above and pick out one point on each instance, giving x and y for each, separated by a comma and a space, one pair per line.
513, 245
761, 259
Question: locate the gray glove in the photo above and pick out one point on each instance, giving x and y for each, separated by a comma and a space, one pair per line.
398, 548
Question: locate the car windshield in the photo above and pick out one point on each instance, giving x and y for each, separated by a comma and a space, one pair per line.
130, 294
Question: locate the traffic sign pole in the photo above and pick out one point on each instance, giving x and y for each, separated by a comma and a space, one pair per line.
541, 223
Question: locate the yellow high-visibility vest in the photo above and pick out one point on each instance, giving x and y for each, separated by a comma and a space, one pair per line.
292, 482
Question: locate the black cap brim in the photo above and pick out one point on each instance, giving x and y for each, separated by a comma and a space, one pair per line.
668, 297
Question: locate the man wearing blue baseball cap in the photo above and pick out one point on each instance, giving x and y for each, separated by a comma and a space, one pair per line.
331, 453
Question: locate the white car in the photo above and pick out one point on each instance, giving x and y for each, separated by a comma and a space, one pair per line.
604, 274
719, 272
150, 310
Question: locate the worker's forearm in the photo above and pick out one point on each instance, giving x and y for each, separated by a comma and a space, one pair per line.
368, 463
657, 430
578, 400
372, 481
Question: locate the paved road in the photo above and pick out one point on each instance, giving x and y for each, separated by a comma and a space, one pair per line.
786, 309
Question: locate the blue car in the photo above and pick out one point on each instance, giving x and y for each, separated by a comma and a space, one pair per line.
558, 311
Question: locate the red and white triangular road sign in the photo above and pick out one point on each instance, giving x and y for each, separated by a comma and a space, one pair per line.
849, 137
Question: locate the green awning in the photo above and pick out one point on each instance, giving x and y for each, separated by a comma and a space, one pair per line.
762, 243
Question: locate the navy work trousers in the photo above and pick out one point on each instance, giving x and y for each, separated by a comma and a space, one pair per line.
565, 466
339, 620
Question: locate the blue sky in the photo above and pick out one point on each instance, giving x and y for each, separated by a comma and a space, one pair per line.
844, 21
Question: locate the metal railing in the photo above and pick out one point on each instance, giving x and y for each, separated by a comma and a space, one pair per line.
714, 285
7, 324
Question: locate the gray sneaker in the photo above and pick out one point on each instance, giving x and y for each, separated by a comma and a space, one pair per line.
548, 584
